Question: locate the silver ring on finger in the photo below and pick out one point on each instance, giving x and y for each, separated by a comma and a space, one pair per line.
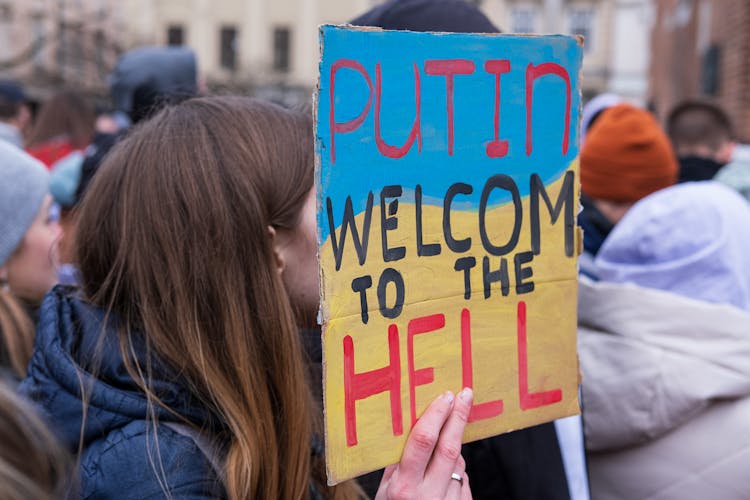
458, 477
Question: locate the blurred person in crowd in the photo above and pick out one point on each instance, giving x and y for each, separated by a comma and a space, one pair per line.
15, 115
736, 174
527, 464
33, 465
64, 124
27, 253
68, 180
626, 157
196, 245
665, 351
143, 81
701, 134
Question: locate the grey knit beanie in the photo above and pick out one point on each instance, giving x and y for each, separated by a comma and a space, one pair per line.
23, 184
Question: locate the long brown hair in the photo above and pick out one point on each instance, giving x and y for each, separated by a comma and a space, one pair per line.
173, 238
33, 465
16, 335
66, 114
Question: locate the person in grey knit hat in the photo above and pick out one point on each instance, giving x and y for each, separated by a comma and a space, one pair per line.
27, 235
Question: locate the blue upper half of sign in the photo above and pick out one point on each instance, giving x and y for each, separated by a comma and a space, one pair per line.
367, 103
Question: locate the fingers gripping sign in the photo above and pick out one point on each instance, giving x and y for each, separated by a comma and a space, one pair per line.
431, 464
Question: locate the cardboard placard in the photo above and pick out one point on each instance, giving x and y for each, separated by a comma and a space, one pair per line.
447, 184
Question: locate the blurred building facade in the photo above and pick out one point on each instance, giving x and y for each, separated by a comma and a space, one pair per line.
616, 33
250, 46
51, 43
701, 49
266, 47
270, 48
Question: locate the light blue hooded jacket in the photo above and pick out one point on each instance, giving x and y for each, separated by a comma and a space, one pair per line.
692, 239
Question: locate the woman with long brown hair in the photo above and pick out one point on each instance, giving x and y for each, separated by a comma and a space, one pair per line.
179, 368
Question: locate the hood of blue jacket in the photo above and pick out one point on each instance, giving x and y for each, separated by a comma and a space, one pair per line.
74, 352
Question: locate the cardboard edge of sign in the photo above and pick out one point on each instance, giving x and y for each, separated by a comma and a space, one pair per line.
323, 313
321, 27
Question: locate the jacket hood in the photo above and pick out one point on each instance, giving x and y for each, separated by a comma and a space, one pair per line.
72, 344
144, 76
690, 239
652, 360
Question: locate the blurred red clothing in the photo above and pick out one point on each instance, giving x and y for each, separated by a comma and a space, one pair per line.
52, 151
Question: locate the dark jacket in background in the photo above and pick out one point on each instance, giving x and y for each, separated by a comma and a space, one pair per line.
595, 226
697, 168
117, 437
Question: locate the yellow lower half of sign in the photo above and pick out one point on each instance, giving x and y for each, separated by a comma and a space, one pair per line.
523, 371
503, 326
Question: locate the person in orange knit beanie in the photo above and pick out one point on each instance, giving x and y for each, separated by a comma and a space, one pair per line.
626, 157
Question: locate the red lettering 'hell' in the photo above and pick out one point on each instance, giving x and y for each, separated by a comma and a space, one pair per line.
479, 411
388, 378
363, 385
422, 376
530, 400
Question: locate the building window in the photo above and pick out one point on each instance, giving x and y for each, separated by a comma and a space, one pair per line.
582, 23
711, 64
100, 43
523, 19
76, 60
228, 42
281, 46
175, 35
37, 31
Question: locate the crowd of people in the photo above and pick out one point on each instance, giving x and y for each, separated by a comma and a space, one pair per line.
159, 298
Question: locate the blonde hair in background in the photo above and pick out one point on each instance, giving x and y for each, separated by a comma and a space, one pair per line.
16, 335
33, 465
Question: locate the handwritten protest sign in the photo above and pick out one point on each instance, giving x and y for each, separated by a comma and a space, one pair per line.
447, 186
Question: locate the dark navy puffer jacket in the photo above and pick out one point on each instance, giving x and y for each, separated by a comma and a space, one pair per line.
123, 456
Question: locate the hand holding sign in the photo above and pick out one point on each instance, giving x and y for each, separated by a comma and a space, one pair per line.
432, 454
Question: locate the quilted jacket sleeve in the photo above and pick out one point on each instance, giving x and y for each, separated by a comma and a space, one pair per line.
130, 464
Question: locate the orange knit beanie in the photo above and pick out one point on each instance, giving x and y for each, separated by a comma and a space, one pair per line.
626, 156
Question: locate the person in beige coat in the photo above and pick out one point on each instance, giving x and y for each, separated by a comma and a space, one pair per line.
664, 344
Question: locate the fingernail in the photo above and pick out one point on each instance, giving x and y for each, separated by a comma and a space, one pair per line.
466, 395
448, 397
